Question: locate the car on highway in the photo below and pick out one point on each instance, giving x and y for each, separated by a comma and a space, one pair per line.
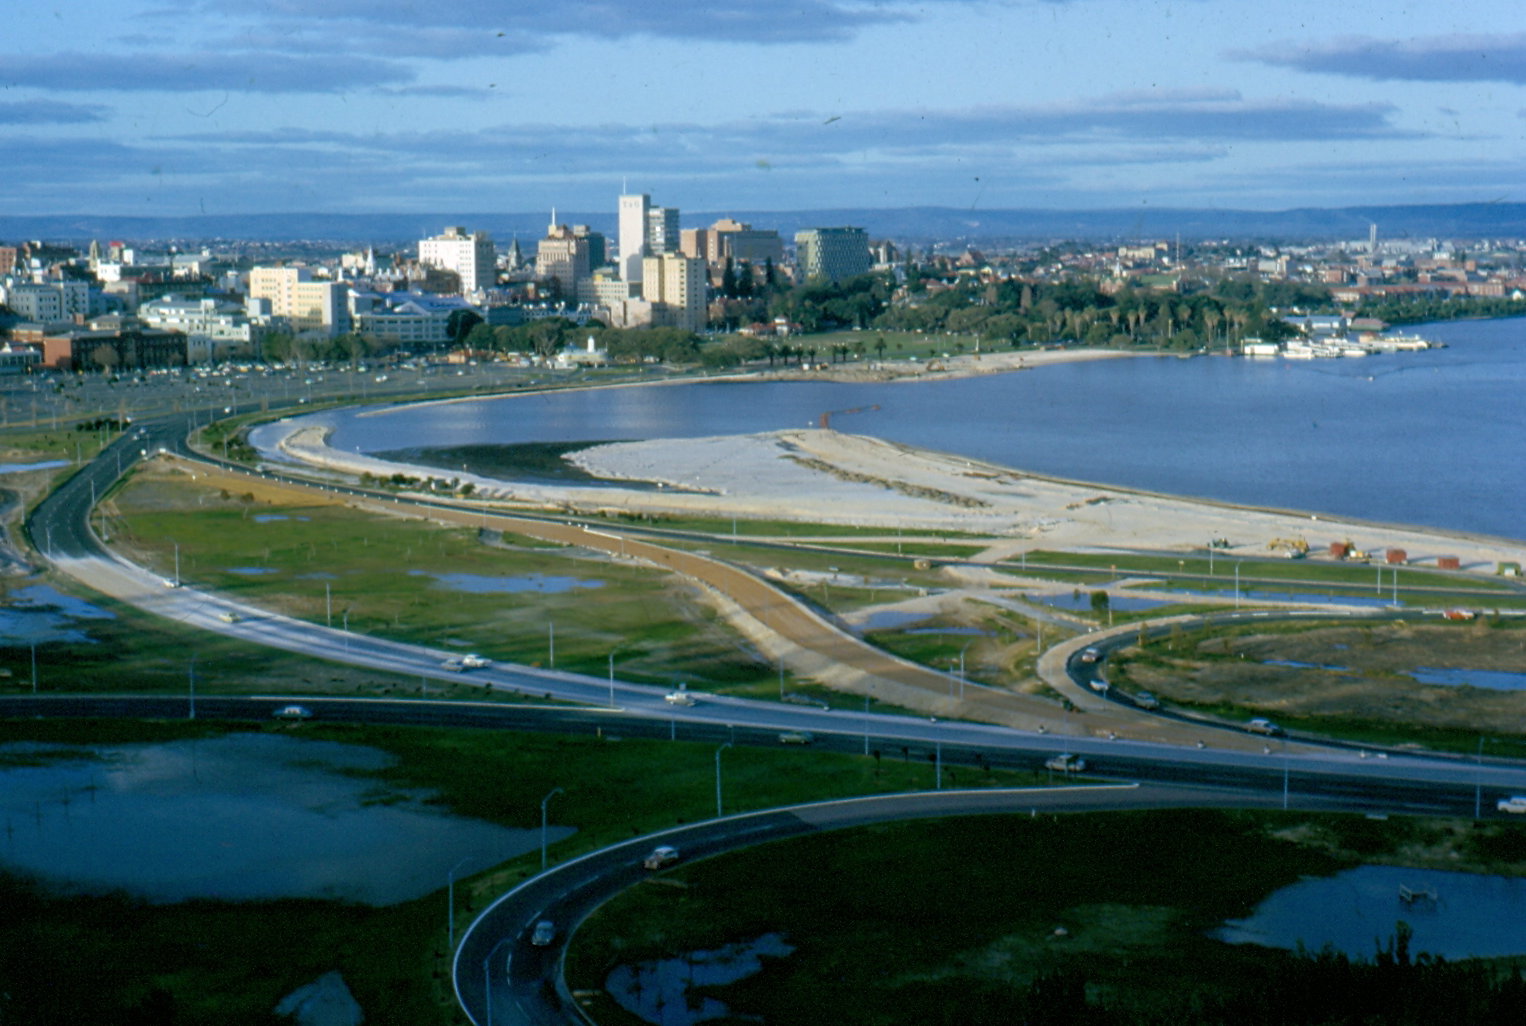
1266, 727
1091, 654
473, 661
543, 934
1065, 763
795, 737
1515, 804
683, 696
295, 713
662, 855
453, 665
1145, 700
228, 617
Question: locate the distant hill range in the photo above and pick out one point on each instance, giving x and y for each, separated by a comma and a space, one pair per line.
920, 225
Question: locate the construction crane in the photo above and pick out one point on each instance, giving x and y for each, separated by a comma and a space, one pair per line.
826, 418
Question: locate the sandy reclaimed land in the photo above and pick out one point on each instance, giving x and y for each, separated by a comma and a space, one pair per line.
826, 476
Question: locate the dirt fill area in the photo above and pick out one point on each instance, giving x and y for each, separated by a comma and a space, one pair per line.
1347, 672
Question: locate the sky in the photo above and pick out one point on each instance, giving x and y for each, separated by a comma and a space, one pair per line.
143, 107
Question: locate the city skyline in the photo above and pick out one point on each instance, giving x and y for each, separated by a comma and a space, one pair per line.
348, 107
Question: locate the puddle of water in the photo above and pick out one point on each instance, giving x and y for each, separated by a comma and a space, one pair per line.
1495, 680
1310, 598
659, 991
251, 571
21, 468
1083, 602
241, 817
1473, 916
889, 620
38, 614
486, 584
1295, 664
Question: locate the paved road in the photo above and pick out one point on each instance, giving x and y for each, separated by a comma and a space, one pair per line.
500, 978
1279, 773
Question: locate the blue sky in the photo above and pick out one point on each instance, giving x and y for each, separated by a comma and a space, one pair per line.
143, 107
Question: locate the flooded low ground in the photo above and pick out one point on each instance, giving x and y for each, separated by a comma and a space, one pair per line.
1453, 915
1465, 677
241, 817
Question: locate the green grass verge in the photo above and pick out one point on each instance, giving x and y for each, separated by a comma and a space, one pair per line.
927, 921
115, 959
422, 583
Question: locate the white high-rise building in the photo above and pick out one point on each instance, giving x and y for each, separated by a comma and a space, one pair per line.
634, 209
472, 256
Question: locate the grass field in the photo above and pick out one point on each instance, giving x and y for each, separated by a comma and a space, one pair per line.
922, 922
419, 582
113, 959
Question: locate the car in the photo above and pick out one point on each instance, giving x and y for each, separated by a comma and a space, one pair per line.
453, 665
1145, 700
1515, 804
1091, 654
543, 934
228, 617
293, 712
795, 737
1065, 763
1098, 685
473, 661
1266, 727
662, 855
680, 697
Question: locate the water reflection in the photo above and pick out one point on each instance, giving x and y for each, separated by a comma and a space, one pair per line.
489, 584
659, 991
1495, 680
241, 817
1355, 912
38, 613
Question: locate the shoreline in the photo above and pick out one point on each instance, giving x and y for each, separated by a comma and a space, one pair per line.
824, 476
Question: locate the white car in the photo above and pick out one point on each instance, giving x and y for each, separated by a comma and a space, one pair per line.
293, 712
680, 697
1516, 804
543, 934
1066, 763
663, 855
473, 661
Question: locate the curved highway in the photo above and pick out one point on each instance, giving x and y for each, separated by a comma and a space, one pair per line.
1266, 771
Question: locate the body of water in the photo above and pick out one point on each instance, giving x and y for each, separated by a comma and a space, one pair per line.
238, 817
1356, 912
1432, 438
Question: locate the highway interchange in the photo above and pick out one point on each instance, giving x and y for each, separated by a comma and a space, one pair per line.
1280, 773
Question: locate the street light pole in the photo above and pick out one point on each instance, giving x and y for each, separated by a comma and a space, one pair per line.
191, 674
718, 752
1478, 780
177, 563
1237, 585
543, 803
551, 655
611, 679
450, 902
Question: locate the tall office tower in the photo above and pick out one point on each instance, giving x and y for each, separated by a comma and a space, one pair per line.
471, 256
598, 245
563, 255
633, 211
675, 285
662, 230
832, 253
